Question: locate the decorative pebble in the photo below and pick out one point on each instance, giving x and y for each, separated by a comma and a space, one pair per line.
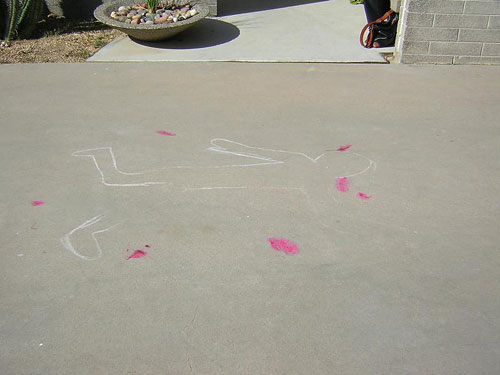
138, 14
161, 19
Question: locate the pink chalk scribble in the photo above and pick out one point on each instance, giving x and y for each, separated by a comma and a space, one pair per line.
344, 148
364, 196
163, 132
34, 226
37, 203
281, 244
342, 184
137, 254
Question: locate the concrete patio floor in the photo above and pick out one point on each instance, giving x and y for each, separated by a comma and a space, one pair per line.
405, 282
323, 31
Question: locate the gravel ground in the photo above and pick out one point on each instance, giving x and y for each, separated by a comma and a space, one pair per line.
57, 40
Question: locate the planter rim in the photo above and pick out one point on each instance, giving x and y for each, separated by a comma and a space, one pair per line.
102, 14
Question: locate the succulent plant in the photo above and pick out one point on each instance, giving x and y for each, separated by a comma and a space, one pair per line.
22, 16
152, 5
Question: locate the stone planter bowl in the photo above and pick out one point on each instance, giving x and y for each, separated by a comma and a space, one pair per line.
150, 32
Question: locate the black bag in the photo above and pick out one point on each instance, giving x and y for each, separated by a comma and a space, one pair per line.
381, 32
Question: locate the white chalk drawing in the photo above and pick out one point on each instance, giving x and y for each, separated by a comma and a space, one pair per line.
107, 152
68, 245
372, 164
224, 150
106, 164
104, 160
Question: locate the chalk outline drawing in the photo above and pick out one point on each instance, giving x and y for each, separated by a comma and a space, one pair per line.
216, 148
66, 239
115, 165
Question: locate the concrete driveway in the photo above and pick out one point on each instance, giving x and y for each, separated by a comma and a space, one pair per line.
199, 218
261, 31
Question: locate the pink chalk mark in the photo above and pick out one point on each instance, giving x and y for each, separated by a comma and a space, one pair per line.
137, 254
344, 148
364, 196
281, 244
163, 132
342, 184
37, 203
148, 246
34, 226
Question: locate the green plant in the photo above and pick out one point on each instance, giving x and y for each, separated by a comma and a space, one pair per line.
22, 16
99, 42
152, 5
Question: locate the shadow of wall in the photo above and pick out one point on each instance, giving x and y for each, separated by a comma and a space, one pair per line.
3, 17
230, 7
74, 9
84, 9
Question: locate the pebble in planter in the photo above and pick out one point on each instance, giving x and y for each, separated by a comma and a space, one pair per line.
141, 15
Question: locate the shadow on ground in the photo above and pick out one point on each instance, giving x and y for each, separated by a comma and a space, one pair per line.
206, 33
230, 7
76, 9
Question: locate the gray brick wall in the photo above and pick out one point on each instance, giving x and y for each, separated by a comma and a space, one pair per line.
449, 32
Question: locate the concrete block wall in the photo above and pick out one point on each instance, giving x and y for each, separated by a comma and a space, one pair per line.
449, 32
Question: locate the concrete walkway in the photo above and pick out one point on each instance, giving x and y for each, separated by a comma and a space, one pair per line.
323, 31
405, 282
